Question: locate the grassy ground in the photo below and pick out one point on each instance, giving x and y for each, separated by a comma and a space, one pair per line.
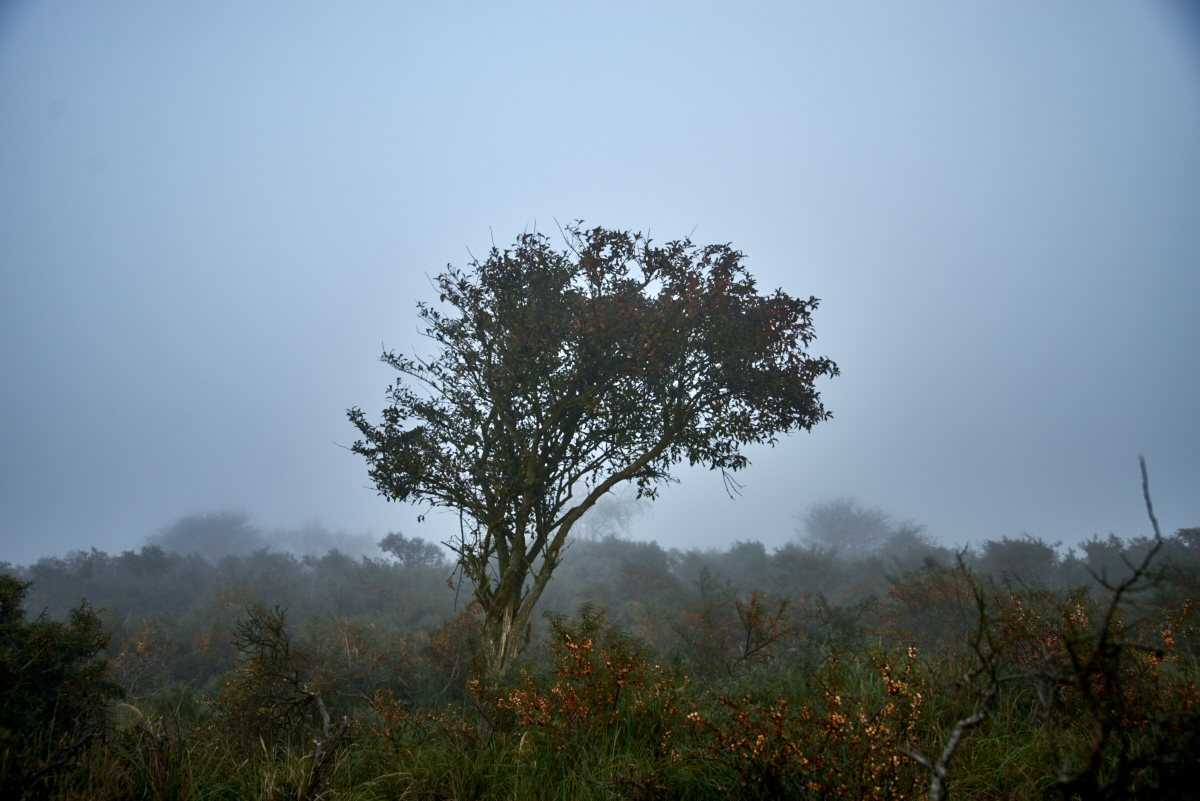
948, 686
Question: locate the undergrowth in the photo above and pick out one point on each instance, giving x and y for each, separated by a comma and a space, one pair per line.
952, 684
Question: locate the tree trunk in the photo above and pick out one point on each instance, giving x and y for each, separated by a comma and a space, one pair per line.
507, 611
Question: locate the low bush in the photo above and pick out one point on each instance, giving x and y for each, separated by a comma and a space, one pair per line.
54, 692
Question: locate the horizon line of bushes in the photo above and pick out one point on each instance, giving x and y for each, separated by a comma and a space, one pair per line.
1009, 671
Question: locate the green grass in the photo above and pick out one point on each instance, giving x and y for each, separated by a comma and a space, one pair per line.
594, 714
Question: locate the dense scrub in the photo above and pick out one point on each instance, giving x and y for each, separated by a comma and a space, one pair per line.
1009, 671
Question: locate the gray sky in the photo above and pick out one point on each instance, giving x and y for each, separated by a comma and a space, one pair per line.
213, 214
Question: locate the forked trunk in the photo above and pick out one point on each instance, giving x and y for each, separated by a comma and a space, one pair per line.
504, 639
507, 612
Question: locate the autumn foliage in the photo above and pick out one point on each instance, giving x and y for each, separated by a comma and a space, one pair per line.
957, 680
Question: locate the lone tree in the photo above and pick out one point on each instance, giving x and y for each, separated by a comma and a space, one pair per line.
560, 374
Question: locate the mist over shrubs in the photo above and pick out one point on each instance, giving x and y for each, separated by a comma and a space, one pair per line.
200, 574
214, 535
834, 664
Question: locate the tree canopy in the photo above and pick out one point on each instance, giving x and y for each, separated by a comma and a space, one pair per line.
560, 374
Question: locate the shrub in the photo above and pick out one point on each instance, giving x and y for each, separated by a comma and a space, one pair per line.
53, 691
839, 735
604, 693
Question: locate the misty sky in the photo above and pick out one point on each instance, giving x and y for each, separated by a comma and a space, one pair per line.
213, 215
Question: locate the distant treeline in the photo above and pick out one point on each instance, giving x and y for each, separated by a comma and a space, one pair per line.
187, 603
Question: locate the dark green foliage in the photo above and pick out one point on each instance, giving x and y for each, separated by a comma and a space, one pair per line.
271, 693
1025, 560
561, 375
54, 692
